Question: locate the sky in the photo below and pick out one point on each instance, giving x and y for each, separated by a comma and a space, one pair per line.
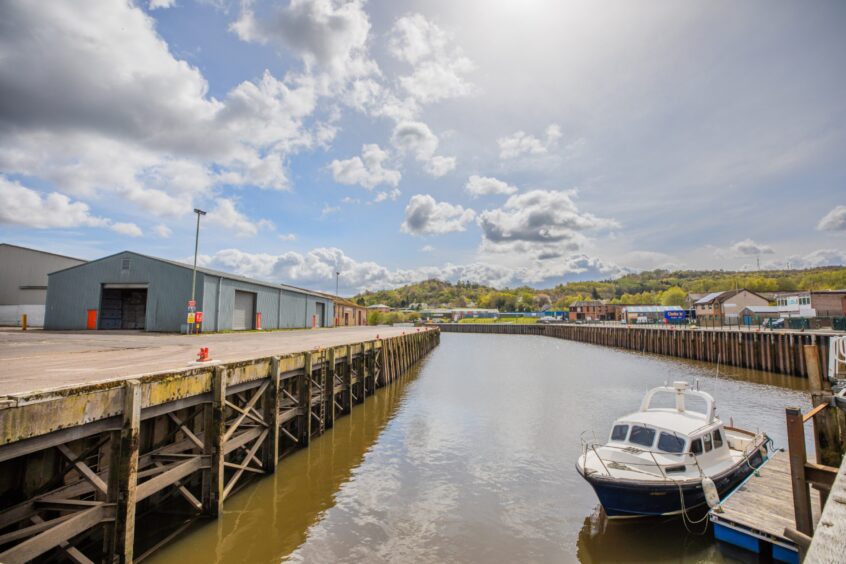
505, 142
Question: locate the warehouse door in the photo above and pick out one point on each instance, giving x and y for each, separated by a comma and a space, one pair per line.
320, 314
123, 308
244, 315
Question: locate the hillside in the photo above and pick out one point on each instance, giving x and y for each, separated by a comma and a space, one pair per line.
657, 286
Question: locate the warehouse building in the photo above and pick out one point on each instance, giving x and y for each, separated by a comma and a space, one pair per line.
23, 282
133, 291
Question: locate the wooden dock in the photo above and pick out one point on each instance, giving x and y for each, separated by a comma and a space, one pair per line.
781, 352
755, 515
79, 463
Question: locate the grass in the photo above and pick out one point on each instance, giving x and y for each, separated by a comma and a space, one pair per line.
515, 320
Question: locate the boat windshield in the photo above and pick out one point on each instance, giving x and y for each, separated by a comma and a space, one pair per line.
643, 436
670, 443
619, 432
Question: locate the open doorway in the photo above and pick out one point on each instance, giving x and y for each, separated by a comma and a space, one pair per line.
123, 308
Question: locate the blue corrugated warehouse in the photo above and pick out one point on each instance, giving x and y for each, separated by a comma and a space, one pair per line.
128, 290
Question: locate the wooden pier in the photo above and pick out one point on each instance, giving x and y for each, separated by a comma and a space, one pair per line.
79, 465
781, 352
757, 513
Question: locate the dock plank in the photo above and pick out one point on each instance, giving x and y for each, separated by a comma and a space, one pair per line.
829, 542
764, 503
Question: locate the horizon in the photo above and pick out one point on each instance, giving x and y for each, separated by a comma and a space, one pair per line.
501, 143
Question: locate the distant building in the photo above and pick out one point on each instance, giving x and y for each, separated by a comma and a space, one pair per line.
23, 282
381, 308
647, 313
755, 315
128, 290
820, 303
458, 313
591, 310
726, 307
348, 313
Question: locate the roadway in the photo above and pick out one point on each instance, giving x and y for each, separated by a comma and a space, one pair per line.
38, 360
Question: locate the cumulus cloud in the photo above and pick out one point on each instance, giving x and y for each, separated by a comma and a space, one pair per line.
487, 186
391, 195
539, 221
521, 143
415, 138
162, 231
366, 170
439, 68
814, 259
26, 207
226, 215
426, 216
156, 4
323, 32
128, 229
835, 220
92, 100
748, 247
316, 269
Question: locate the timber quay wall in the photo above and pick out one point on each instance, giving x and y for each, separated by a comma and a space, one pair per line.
79, 465
781, 352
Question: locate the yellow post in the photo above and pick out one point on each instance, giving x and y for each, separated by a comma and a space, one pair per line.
23, 322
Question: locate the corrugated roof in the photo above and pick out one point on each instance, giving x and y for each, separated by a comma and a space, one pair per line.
708, 298
763, 309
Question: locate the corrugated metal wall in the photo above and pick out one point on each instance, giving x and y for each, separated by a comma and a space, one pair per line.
72, 292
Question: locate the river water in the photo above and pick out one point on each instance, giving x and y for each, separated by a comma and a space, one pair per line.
471, 459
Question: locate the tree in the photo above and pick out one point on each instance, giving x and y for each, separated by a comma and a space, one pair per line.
674, 296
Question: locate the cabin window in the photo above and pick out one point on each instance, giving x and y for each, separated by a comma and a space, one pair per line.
696, 446
643, 436
670, 443
718, 439
707, 439
619, 432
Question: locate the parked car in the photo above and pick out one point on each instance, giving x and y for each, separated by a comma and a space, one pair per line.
773, 323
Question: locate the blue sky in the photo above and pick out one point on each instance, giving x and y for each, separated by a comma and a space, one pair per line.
497, 141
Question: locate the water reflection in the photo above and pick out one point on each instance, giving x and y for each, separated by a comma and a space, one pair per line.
473, 461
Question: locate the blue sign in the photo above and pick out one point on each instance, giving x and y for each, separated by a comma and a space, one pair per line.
675, 315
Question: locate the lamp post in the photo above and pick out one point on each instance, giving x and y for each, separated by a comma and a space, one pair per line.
337, 279
193, 303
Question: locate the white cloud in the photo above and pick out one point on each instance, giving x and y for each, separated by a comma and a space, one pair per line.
814, 259
542, 222
287, 237
835, 220
324, 33
226, 215
128, 229
162, 231
391, 195
486, 186
156, 4
94, 101
316, 269
427, 249
366, 170
521, 143
439, 70
329, 210
748, 247
425, 216
26, 207
415, 138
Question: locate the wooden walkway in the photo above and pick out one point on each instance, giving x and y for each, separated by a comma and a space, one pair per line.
762, 507
830, 536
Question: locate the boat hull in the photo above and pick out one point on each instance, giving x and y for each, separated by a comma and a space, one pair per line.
629, 498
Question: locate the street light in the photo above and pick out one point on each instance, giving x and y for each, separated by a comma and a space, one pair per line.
199, 212
337, 279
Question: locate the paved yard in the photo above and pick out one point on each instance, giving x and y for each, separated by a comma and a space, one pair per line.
38, 360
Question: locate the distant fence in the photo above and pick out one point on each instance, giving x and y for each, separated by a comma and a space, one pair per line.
781, 352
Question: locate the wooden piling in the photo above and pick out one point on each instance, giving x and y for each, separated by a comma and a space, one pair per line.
213, 445
270, 413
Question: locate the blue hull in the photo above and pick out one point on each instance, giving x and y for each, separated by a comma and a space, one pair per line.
627, 498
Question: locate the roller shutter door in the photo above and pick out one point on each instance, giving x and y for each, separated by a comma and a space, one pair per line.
243, 317
320, 313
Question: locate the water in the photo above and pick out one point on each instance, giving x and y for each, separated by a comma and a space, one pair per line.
471, 459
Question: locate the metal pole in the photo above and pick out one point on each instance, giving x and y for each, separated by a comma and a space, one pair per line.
337, 279
199, 212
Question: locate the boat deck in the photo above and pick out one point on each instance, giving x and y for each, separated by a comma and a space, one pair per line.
755, 514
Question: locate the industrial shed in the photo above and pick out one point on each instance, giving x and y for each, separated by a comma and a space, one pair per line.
133, 291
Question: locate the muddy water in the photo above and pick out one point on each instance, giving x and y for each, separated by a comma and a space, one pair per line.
471, 460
